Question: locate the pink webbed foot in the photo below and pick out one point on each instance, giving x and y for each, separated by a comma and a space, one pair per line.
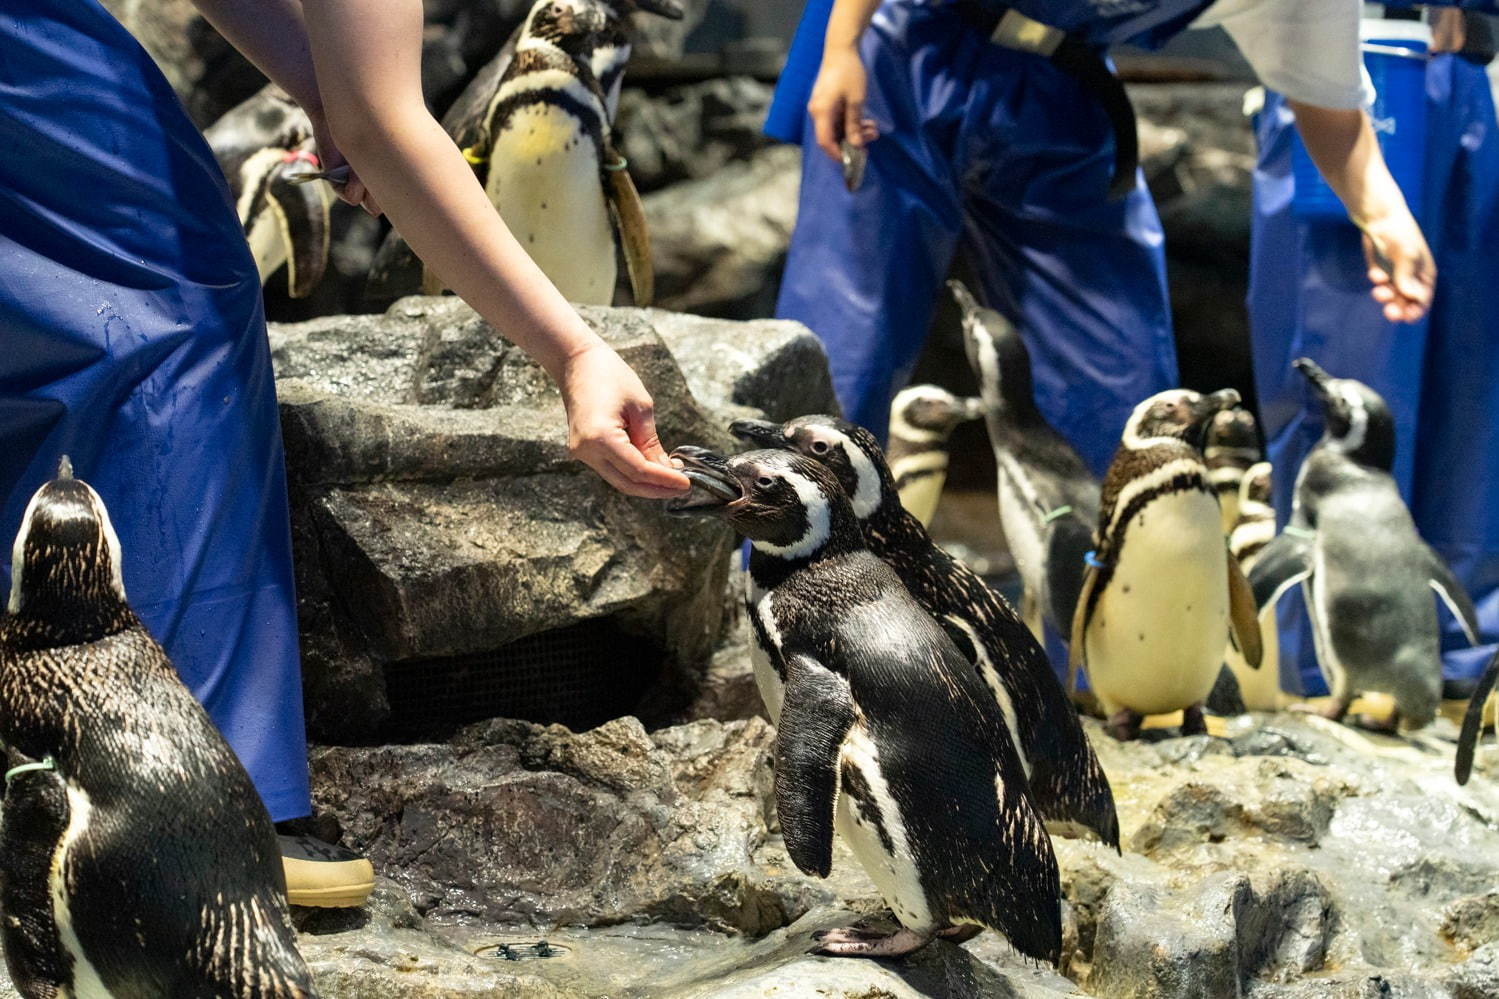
855, 942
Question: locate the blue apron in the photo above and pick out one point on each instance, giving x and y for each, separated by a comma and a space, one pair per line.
1006, 154
134, 342
1309, 295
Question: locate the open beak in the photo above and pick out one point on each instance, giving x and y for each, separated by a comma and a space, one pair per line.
1312, 372
761, 433
713, 485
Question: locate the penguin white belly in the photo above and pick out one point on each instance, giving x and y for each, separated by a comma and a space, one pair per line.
928, 474
86, 981
1314, 591
1260, 688
268, 244
892, 868
544, 180
1021, 533
1156, 637
767, 680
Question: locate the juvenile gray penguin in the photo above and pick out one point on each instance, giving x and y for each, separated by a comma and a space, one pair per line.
136, 859
1067, 784
1366, 574
1161, 592
1048, 499
922, 419
884, 731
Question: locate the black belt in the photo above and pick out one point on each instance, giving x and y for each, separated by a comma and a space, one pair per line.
1081, 60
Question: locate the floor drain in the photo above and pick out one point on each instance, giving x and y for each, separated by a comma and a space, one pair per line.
539, 950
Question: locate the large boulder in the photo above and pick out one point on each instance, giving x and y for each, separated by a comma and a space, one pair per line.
690, 131
440, 525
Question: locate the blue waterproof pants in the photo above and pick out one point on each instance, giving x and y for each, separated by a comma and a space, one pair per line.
1005, 153
134, 341
1309, 295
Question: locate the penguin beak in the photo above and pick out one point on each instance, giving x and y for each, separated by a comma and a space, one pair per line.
1312, 372
713, 485
1210, 406
761, 433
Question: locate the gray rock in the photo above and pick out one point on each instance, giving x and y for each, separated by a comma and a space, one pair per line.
1473, 922
438, 517
690, 131
719, 243
513, 823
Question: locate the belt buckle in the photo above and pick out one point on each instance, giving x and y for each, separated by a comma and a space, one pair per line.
1026, 34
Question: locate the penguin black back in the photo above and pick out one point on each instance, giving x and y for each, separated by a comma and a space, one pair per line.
163, 873
1066, 780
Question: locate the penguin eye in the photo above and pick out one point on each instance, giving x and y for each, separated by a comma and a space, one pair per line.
765, 482
819, 447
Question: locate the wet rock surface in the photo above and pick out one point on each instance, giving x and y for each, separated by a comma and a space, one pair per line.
438, 517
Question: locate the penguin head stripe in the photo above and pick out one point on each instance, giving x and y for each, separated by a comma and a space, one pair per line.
927, 414
1174, 415
791, 507
852, 454
67, 552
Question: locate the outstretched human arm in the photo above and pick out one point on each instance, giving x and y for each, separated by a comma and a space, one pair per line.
1343, 146
355, 66
837, 102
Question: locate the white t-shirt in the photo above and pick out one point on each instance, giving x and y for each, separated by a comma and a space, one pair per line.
1305, 49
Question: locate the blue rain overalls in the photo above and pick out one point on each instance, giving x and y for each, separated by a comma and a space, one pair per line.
1008, 153
1309, 295
134, 341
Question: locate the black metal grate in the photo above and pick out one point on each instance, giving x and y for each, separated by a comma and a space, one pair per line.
580, 676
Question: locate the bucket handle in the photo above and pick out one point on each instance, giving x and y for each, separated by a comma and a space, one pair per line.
1395, 50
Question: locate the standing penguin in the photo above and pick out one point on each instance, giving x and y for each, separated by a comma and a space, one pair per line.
1367, 575
265, 148
1259, 688
884, 731
536, 125
136, 858
1067, 784
1232, 446
1161, 591
922, 418
1048, 500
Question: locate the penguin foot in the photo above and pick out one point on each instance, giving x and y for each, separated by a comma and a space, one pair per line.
855, 942
960, 934
1376, 724
1192, 721
1333, 710
1124, 725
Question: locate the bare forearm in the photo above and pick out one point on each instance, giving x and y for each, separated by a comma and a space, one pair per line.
1346, 152
273, 35
432, 197
847, 23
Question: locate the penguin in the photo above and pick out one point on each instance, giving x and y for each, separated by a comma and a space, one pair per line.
1366, 574
922, 418
1067, 784
1161, 593
885, 734
1259, 689
136, 858
536, 126
266, 149
1232, 446
1048, 499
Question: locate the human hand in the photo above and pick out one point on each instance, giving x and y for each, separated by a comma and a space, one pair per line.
837, 103
352, 189
611, 425
1401, 267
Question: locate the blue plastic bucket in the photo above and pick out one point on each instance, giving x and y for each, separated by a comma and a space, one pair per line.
1395, 54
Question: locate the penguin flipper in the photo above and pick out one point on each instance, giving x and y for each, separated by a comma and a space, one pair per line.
1243, 615
301, 215
816, 716
634, 234
1454, 595
36, 818
1284, 562
1467, 739
1077, 656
